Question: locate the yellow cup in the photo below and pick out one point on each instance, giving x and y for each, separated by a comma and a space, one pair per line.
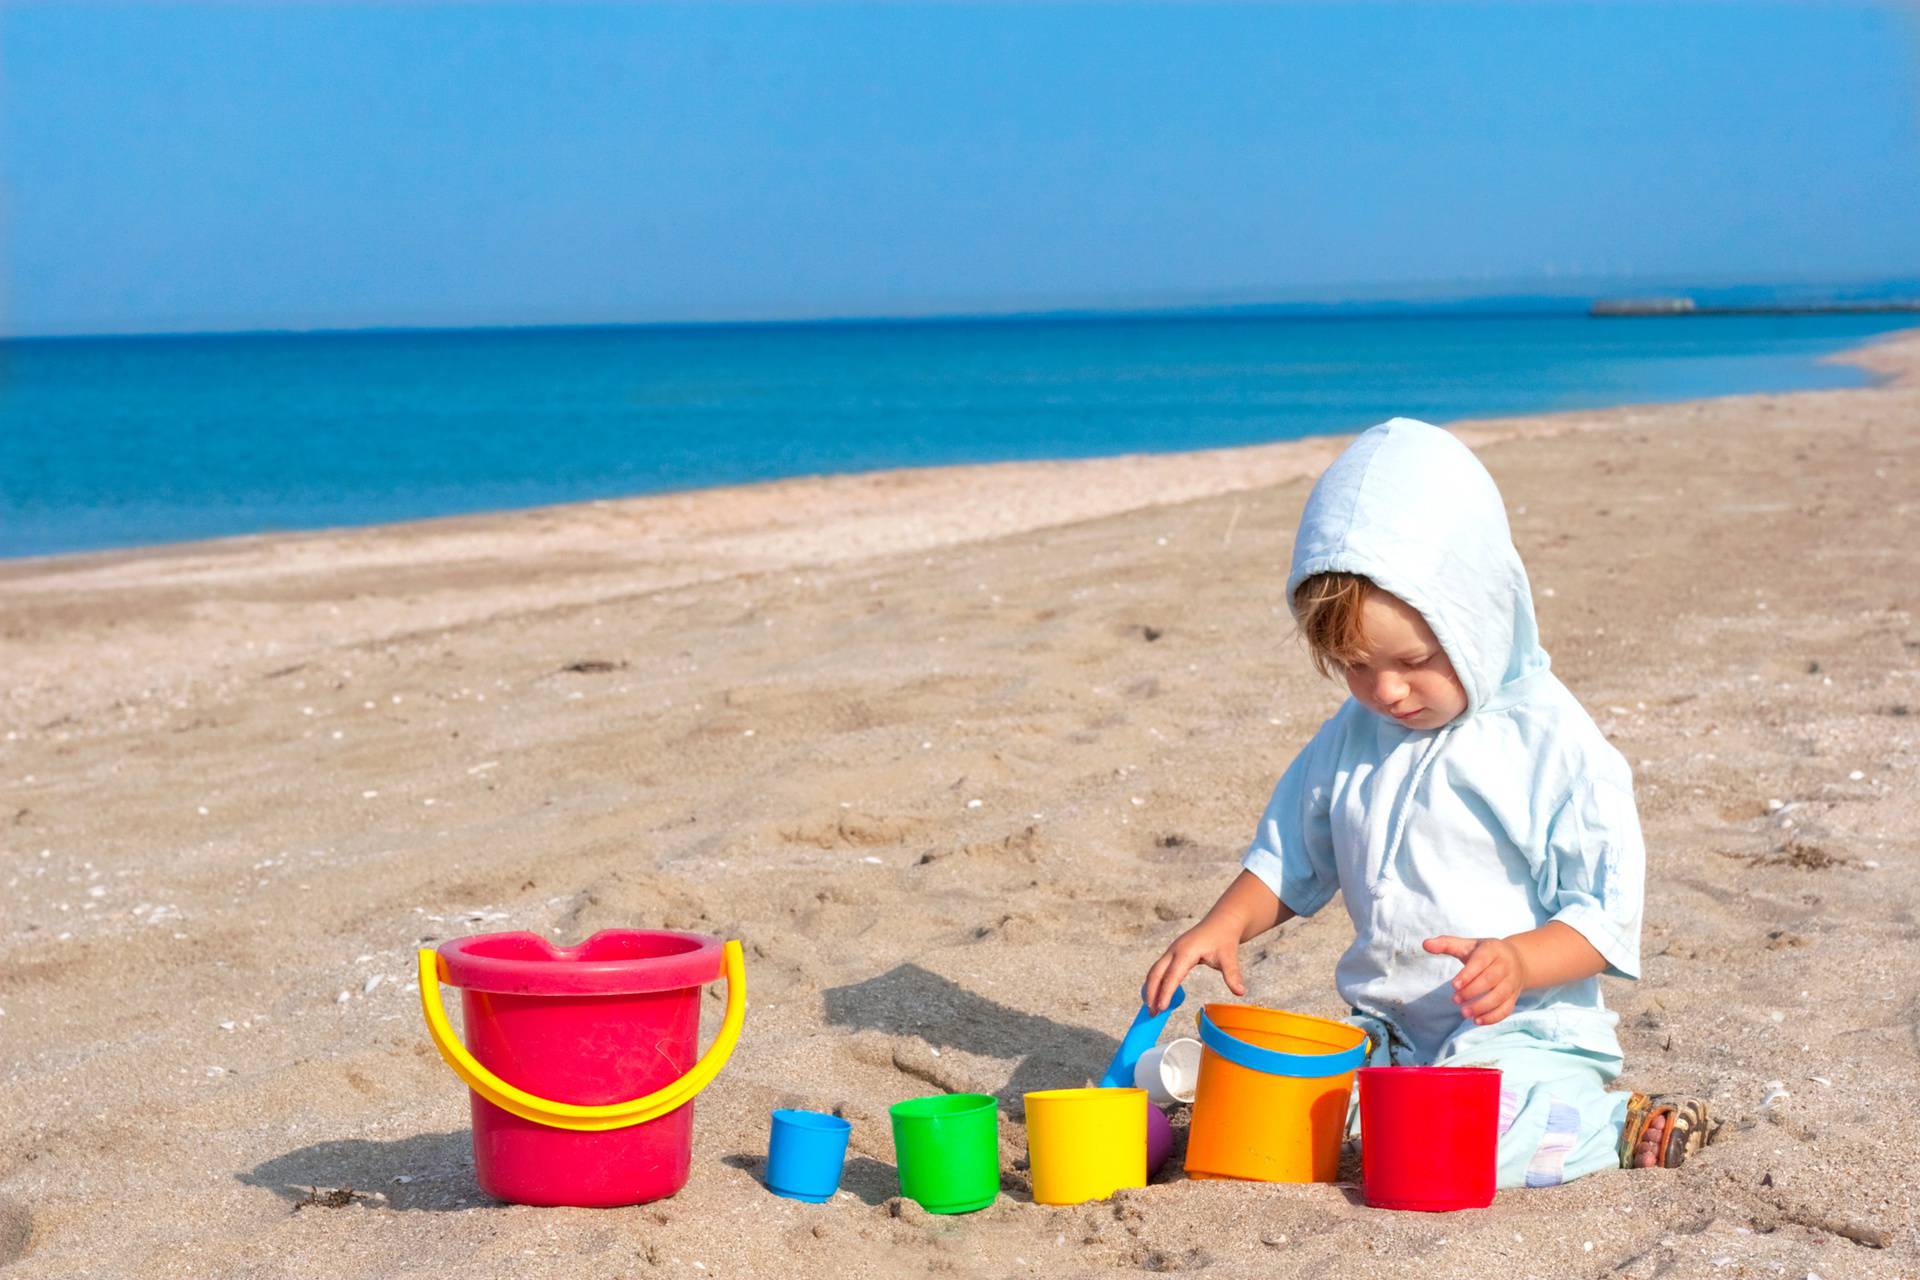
1086, 1144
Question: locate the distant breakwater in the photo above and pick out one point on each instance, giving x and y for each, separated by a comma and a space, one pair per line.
1614, 307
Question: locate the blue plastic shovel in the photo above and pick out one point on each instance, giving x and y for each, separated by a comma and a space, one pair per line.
1140, 1037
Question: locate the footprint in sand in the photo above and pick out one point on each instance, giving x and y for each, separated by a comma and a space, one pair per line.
16, 1231
845, 829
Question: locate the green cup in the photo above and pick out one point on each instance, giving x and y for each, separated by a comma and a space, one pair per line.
948, 1150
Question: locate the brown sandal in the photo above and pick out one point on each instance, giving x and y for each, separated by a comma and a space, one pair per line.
1689, 1127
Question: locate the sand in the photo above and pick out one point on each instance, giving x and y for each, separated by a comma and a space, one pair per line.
956, 753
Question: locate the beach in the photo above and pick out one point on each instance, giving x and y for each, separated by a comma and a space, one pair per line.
955, 753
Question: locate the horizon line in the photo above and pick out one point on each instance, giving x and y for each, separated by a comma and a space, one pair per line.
1523, 300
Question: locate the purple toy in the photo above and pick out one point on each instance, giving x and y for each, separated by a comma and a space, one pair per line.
1159, 1139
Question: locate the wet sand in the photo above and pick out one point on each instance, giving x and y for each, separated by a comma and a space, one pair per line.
955, 752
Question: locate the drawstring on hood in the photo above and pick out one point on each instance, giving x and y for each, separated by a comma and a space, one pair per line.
1401, 811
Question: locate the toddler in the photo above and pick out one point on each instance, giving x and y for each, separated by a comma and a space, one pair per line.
1480, 828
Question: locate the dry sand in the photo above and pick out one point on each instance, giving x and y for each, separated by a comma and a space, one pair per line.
956, 753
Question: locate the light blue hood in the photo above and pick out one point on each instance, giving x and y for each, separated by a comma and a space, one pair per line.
1515, 813
1411, 508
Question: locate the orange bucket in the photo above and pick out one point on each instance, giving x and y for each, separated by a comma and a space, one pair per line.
1272, 1100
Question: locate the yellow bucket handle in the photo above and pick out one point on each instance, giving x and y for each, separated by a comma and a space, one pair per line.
570, 1115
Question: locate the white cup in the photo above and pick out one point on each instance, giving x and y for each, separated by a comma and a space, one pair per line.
1169, 1072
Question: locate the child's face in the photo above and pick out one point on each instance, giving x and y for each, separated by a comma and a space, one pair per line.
1405, 676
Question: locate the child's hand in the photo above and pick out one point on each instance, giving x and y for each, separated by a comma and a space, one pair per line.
1491, 975
1214, 941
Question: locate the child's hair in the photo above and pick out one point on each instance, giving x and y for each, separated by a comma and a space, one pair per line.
1328, 606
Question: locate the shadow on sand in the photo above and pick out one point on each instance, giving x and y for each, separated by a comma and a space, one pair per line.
910, 1001
438, 1168
872, 1181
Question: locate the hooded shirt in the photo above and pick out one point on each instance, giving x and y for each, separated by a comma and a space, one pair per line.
1515, 813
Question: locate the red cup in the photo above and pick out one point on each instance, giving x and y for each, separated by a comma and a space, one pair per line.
1428, 1136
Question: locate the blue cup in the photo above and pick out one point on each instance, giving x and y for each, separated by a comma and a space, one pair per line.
805, 1153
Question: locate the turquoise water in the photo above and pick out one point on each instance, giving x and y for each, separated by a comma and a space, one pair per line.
125, 441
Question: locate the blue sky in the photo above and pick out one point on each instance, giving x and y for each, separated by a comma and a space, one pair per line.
226, 166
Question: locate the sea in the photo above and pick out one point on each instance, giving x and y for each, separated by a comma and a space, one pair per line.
129, 441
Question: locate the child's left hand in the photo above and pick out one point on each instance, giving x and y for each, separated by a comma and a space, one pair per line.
1491, 975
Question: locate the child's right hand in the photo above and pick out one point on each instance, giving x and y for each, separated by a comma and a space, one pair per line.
1214, 941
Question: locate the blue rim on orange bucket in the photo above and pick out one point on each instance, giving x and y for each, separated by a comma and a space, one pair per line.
1272, 1061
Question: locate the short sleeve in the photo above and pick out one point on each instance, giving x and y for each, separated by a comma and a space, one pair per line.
1292, 851
1592, 877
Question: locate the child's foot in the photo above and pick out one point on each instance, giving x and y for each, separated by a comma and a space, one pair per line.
1663, 1131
